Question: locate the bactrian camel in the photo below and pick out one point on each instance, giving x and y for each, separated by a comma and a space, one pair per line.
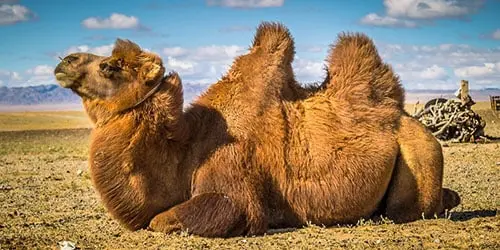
256, 150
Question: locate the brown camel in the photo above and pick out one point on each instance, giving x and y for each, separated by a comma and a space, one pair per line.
255, 151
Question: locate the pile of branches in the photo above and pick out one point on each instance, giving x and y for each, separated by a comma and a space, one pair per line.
450, 120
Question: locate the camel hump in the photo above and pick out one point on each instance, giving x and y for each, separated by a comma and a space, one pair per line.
353, 51
274, 38
353, 46
355, 68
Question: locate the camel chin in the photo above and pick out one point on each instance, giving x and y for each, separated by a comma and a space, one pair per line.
63, 80
256, 150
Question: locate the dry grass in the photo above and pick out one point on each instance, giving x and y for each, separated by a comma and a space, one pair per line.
46, 197
17, 121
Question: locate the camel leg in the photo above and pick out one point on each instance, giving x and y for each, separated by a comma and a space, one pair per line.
226, 171
208, 215
227, 201
416, 187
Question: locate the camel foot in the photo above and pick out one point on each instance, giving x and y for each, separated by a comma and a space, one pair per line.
207, 215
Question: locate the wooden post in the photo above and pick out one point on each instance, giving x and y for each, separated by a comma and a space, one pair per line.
464, 92
415, 108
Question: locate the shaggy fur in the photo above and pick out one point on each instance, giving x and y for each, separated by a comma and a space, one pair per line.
256, 150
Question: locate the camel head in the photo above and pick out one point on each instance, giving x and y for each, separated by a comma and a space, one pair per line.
114, 83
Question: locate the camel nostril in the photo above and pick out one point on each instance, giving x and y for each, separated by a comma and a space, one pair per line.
58, 69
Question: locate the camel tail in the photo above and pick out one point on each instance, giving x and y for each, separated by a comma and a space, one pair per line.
356, 72
275, 40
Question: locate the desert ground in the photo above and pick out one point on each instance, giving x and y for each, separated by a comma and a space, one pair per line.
46, 197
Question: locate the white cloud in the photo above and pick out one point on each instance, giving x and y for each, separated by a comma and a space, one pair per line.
455, 55
15, 76
374, 19
211, 52
104, 50
179, 65
313, 48
41, 70
443, 66
431, 9
175, 51
496, 34
434, 72
414, 75
445, 47
216, 52
487, 69
201, 65
406, 13
247, 3
10, 14
40, 74
115, 21
9, 77
308, 71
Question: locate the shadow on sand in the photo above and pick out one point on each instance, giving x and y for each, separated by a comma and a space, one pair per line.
467, 215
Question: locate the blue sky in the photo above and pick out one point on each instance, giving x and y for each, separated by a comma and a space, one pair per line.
431, 44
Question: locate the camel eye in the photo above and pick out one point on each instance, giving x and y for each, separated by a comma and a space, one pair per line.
103, 66
70, 59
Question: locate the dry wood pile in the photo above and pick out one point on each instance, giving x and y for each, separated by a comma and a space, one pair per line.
450, 120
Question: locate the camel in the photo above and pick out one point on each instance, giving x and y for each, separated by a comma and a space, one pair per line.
256, 150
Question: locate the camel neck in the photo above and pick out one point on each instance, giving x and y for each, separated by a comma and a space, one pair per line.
138, 165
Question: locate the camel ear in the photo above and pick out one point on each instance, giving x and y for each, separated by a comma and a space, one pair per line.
151, 69
126, 49
174, 79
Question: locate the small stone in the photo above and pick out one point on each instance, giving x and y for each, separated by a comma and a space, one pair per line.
243, 241
79, 172
498, 163
66, 245
437, 241
378, 241
5, 187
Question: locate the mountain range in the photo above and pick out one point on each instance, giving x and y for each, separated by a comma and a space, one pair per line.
55, 95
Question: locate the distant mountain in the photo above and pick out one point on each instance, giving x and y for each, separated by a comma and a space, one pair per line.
54, 94
446, 91
424, 95
42, 94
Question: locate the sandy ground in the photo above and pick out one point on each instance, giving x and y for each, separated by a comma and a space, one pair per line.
46, 197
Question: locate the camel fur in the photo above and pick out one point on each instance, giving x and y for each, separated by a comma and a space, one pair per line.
256, 150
